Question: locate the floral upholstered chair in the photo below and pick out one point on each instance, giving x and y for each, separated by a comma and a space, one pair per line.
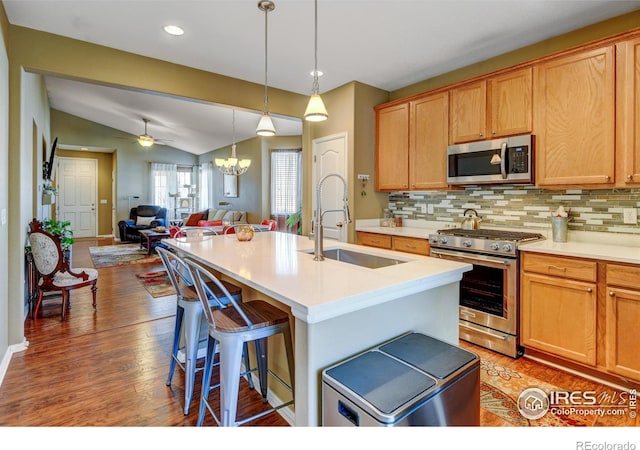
54, 271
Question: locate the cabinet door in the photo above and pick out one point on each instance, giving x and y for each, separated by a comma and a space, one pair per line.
392, 148
574, 121
510, 103
628, 120
429, 134
559, 317
621, 338
468, 120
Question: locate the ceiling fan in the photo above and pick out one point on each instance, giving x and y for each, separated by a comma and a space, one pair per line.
146, 140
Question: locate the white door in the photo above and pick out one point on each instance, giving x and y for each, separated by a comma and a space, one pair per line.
76, 182
330, 156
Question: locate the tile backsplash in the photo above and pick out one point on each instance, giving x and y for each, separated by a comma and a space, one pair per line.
521, 206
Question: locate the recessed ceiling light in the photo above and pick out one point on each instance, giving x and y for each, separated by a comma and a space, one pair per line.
174, 30
320, 73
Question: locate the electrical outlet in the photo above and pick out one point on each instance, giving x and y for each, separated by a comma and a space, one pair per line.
430, 209
630, 216
423, 208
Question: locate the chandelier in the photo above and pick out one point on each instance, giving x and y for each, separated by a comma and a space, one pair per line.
233, 166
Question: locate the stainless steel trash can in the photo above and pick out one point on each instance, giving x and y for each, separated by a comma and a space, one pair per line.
411, 380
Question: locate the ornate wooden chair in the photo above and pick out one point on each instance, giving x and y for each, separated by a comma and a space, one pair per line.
55, 273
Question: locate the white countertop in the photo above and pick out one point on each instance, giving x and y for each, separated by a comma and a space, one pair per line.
276, 264
617, 247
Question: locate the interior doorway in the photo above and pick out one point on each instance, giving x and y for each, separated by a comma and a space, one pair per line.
77, 194
330, 156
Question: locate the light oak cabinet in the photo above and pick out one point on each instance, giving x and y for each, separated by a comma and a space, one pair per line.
628, 113
496, 107
559, 306
622, 308
574, 120
411, 144
429, 134
392, 148
417, 246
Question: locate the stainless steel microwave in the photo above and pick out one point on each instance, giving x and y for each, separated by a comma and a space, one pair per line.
506, 160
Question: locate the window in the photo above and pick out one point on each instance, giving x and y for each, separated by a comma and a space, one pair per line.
286, 183
174, 187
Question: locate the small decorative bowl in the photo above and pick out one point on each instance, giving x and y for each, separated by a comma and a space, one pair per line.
245, 233
160, 229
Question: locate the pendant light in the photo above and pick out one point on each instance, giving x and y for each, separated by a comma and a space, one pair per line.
231, 166
265, 126
316, 112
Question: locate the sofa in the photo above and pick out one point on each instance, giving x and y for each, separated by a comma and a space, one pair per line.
141, 217
215, 217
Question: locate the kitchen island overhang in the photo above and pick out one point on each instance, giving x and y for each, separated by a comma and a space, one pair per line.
339, 308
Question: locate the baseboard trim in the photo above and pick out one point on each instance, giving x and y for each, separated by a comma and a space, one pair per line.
6, 359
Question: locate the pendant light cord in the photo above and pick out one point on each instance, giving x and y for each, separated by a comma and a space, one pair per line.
266, 98
316, 85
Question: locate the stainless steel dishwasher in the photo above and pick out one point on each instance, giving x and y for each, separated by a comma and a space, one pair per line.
412, 380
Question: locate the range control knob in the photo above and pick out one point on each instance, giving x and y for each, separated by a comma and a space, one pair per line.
467, 243
495, 246
443, 240
434, 239
507, 247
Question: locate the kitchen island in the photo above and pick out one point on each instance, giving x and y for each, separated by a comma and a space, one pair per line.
339, 309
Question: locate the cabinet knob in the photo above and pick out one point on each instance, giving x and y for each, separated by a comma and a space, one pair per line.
493, 132
589, 290
629, 177
607, 177
481, 134
612, 294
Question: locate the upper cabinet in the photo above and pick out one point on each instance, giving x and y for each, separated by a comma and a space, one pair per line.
392, 148
411, 144
428, 137
628, 113
496, 107
574, 123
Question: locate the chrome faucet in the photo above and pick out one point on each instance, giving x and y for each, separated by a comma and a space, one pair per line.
319, 214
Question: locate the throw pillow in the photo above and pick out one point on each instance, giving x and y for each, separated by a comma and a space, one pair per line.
209, 223
193, 219
219, 214
144, 221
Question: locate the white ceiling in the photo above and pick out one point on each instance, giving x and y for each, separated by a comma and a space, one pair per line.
387, 44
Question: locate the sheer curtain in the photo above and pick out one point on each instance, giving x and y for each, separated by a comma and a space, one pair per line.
206, 185
163, 182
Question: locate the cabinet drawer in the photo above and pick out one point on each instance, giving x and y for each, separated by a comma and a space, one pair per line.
624, 276
560, 267
374, 240
411, 245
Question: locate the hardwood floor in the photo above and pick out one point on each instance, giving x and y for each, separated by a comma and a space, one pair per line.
108, 367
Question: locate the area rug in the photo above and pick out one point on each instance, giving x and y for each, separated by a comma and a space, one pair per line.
499, 391
156, 283
120, 255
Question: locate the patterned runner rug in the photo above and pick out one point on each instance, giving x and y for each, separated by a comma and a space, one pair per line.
499, 391
156, 283
120, 255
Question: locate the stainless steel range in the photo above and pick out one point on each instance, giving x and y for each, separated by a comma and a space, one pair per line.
489, 294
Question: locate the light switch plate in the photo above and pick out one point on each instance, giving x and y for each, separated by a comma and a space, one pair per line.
630, 216
423, 208
3, 219
430, 208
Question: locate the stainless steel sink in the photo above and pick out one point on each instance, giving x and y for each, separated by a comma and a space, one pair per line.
360, 259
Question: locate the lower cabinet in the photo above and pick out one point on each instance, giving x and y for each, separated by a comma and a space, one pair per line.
622, 320
400, 243
582, 311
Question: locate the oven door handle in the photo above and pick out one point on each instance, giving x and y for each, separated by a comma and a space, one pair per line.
469, 256
479, 330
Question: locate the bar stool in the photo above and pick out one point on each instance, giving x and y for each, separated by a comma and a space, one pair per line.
231, 327
189, 314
